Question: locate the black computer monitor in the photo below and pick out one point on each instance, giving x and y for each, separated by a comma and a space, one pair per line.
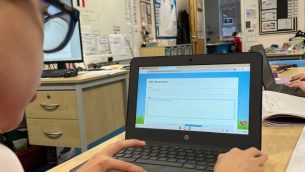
72, 52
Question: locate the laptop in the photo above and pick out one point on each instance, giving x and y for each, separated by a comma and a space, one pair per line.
268, 80
189, 109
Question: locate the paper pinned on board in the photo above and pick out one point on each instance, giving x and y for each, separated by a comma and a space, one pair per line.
119, 43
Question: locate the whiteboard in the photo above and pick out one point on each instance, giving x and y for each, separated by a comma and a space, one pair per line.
105, 26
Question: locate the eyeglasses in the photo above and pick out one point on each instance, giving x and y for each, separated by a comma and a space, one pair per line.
59, 23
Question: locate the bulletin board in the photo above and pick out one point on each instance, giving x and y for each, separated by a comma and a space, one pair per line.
106, 28
278, 16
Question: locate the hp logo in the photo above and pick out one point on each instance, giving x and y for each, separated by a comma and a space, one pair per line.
186, 137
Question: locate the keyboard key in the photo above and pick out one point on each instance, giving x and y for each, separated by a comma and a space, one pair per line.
189, 151
145, 157
127, 159
153, 154
211, 156
200, 167
190, 154
128, 152
200, 155
180, 150
181, 153
190, 158
181, 161
119, 155
171, 156
136, 156
155, 148
189, 166
144, 153
202, 163
127, 156
171, 149
153, 158
180, 157
136, 153
164, 148
162, 155
200, 159
172, 159
162, 159
210, 160
155, 151
211, 164
166, 163
146, 150
130, 149
122, 151
210, 168
138, 149
163, 152
191, 162
172, 153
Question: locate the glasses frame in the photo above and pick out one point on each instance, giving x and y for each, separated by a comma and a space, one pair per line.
66, 9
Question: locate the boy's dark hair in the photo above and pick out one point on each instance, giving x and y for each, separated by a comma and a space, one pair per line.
234, 33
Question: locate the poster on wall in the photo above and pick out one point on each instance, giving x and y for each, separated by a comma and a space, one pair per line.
269, 15
269, 26
165, 19
284, 24
269, 4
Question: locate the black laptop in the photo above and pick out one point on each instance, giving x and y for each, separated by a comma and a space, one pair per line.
268, 80
191, 108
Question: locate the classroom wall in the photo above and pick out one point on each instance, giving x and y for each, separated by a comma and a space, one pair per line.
267, 40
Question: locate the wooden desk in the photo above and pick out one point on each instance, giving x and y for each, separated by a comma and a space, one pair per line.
277, 142
292, 72
288, 56
75, 112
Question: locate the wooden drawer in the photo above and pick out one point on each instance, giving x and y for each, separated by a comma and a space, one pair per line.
53, 105
51, 132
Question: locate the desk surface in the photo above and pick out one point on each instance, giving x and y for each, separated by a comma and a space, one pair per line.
84, 77
292, 72
277, 142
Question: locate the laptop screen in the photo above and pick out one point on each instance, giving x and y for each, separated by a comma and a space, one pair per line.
201, 98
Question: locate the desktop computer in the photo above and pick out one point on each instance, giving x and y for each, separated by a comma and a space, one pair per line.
55, 31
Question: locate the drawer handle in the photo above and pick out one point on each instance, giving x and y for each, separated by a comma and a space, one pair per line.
54, 135
50, 107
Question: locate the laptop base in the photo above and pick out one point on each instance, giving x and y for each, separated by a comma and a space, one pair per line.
288, 90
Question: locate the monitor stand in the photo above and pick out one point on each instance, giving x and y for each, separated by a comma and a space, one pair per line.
61, 65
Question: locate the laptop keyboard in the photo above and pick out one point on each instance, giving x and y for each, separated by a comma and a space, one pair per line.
175, 156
